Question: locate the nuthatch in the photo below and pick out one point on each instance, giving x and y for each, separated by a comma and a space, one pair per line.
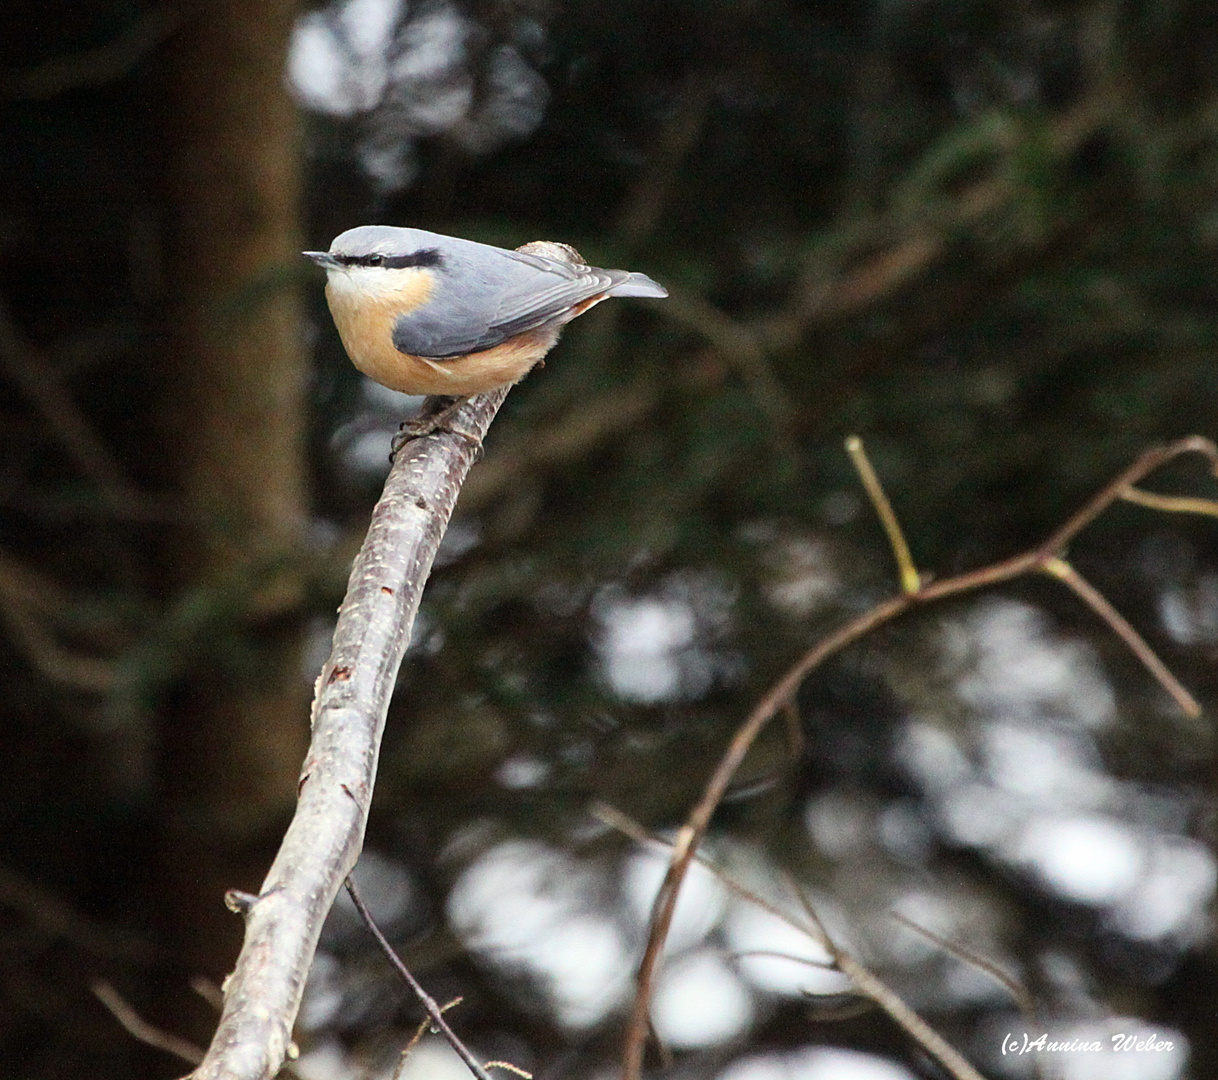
429, 314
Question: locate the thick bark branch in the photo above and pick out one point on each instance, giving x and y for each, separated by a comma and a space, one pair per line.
326, 834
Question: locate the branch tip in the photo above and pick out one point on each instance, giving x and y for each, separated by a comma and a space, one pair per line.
910, 581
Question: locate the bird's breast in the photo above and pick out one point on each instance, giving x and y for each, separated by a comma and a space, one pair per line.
365, 320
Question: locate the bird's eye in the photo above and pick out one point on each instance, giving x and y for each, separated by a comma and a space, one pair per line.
376, 260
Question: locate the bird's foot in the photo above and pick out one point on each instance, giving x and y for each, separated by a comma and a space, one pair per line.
436, 416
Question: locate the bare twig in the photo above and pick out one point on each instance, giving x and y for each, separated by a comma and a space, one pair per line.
430, 1005
1171, 504
208, 991
1037, 560
883, 509
507, 1066
140, 1029
695, 827
1013, 987
775, 954
867, 983
888, 1000
417, 1037
1095, 600
283, 922
627, 826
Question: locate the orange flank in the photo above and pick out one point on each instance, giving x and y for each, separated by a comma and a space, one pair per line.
365, 324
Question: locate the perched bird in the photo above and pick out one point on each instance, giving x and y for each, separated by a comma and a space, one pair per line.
429, 314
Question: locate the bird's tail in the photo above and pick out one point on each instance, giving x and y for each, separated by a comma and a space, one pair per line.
635, 285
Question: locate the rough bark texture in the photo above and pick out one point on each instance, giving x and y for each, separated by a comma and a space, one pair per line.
353, 692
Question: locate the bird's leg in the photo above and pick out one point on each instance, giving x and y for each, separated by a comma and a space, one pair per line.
436, 415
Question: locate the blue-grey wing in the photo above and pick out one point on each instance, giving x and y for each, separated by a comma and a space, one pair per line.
495, 294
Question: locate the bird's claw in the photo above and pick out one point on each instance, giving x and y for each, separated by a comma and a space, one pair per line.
436, 417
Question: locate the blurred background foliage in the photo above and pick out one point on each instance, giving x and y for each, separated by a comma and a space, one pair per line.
982, 236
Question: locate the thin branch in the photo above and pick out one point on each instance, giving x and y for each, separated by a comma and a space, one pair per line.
690, 835
775, 954
1146, 463
1095, 600
888, 1000
627, 826
323, 841
139, 1028
208, 991
1171, 504
507, 1066
417, 1037
430, 1005
867, 983
1015, 988
910, 580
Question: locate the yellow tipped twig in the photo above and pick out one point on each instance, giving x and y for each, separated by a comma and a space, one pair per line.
1172, 504
1091, 596
510, 1068
910, 581
1044, 558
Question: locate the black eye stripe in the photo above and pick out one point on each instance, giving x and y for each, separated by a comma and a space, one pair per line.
426, 257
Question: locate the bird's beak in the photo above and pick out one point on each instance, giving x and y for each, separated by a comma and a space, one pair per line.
323, 259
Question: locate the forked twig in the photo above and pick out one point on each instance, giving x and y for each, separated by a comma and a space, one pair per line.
865, 981
417, 1037
434, 1011
1047, 558
888, 1000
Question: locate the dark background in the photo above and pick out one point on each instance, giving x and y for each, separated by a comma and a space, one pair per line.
983, 237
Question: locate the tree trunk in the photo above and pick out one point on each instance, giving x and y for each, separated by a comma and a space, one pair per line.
234, 372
